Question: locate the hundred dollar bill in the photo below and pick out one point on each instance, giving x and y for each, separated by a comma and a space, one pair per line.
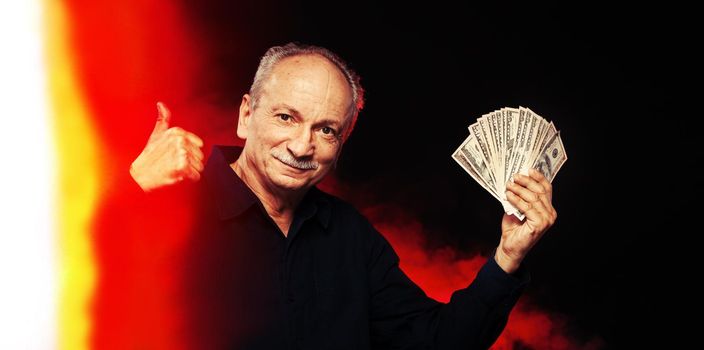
480, 140
496, 136
520, 142
510, 116
509, 141
551, 159
474, 165
546, 136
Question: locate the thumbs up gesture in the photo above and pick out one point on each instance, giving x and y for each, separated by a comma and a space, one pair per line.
170, 156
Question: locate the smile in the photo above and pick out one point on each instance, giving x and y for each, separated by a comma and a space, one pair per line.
294, 163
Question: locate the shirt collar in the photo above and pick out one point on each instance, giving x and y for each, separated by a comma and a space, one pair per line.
315, 203
233, 197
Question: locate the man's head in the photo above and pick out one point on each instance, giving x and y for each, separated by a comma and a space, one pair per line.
301, 108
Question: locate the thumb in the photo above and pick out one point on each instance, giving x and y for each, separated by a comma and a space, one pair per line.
163, 118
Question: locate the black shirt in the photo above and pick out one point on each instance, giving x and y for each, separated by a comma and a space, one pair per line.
332, 283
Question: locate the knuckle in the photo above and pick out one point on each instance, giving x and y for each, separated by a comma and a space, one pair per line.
180, 141
181, 163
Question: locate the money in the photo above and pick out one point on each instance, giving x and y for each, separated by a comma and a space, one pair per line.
506, 142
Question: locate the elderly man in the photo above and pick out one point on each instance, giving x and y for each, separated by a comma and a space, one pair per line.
278, 264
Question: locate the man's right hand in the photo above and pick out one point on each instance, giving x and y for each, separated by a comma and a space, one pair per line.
171, 155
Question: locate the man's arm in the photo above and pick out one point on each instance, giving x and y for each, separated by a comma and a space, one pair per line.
403, 316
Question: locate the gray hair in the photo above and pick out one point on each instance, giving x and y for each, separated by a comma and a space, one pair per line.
277, 53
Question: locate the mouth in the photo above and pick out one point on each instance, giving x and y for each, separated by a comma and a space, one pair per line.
293, 163
293, 167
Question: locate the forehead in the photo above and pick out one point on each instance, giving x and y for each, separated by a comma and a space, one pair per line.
308, 66
309, 82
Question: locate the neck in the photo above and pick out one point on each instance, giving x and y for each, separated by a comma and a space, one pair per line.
279, 204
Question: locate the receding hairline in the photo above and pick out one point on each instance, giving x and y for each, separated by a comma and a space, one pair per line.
342, 79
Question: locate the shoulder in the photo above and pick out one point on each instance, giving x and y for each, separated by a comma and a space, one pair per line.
353, 233
341, 211
347, 221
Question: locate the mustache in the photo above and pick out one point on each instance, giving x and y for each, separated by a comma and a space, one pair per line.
290, 160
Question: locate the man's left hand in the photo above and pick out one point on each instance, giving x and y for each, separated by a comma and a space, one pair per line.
532, 195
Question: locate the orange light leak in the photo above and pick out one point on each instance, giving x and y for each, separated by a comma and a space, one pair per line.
78, 157
126, 56
27, 259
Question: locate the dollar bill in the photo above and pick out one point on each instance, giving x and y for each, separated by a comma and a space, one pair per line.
474, 165
509, 141
551, 158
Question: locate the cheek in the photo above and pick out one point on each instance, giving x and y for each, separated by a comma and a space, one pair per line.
271, 135
328, 153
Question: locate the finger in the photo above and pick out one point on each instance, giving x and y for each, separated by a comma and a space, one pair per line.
518, 188
529, 183
534, 211
184, 146
186, 168
195, 163
543, 181
533, 183
194, 139
184, 158
518, 202
196, 152
163, 118
185, 139
540, 178
181, 139
191, 173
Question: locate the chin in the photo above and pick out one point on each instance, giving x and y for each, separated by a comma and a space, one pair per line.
291, 184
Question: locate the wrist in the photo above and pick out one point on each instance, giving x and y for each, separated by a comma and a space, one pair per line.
505, 261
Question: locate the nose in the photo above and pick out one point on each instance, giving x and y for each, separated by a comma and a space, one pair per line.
301, 143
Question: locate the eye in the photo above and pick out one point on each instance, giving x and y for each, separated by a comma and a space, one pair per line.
284, 117
328, 130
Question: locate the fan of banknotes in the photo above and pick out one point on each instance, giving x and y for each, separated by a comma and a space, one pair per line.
506, 142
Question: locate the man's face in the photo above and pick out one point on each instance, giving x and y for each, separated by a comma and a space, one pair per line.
294, 135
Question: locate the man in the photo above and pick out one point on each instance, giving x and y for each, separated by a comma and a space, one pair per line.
279, 264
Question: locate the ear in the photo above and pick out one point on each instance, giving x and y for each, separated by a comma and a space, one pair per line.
245, 115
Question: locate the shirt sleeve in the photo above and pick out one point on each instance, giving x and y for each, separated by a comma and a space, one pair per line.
402, 316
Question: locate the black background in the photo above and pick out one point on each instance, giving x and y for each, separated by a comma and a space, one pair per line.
618, 82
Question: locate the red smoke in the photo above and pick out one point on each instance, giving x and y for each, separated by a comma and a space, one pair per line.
440, 272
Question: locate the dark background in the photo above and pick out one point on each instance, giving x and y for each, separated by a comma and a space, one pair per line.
618, 83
